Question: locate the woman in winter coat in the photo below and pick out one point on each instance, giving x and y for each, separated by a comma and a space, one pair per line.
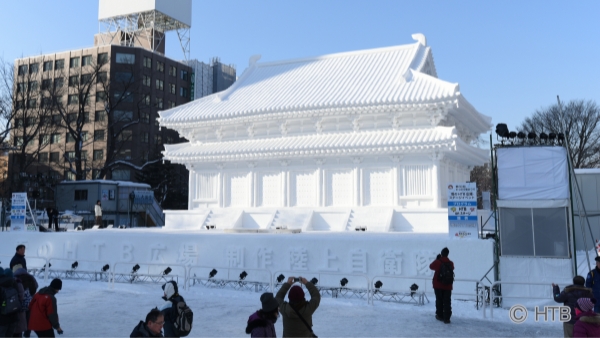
262, 322
30, 287
297, 307
588, 322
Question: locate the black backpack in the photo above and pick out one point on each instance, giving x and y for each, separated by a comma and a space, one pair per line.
446, 275
183, 319
9, 301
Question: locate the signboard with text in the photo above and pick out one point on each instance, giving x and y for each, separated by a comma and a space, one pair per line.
18, 211
462, 210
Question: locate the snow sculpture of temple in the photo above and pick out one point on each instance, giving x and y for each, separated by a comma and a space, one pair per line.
364, 139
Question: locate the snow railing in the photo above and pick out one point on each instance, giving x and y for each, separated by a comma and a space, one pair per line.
494, 297
155, 273
328, 283
236, 278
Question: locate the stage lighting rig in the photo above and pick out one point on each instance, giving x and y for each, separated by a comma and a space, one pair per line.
105, 268
314, 281
343, 282
167, 271
74, 265
413, 289
243, 275
212, 273
544, 137
378, 285
135, 268
561, 138
280, 278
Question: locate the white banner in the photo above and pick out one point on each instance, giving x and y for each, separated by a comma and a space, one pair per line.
462, 210
18, 211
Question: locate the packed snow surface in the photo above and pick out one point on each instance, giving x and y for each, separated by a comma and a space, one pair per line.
94, 309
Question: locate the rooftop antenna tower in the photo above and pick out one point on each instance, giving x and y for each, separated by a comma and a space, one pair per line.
145, 22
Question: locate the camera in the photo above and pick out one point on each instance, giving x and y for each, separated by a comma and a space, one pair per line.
296, 279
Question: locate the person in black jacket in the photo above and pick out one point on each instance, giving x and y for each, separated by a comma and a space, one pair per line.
152, 327
569, 297
169, 308
7, 322
19, 258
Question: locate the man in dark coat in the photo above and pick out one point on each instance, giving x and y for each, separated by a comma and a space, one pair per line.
443, 292
152, 327
19, 258
593, 282
7, 322
44, 311
169, 308
569, 297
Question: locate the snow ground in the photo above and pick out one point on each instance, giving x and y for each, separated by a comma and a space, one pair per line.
93, 309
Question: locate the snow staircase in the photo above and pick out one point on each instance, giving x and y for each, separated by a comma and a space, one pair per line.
351, 226
208, 220
290, 219
370, 219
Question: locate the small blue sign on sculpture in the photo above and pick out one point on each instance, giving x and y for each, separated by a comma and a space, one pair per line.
143, 197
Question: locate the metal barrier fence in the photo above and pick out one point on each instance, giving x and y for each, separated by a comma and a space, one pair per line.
78, 269
153, 273
495, 284
36, 265
236, 278
328, 281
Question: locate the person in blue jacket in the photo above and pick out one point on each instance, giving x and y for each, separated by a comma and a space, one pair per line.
593, 282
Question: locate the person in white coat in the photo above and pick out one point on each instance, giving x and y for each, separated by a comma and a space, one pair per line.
98, 213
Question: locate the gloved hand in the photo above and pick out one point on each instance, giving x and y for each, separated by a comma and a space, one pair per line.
59, 331
438, 256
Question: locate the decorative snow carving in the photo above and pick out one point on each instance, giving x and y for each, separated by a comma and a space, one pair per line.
392, 262
436, 156
188, 254
396, 122
436, 116
284, 128
420, 37
253, 60
320, 161
70, 250
235, 256
250, 130
319, 126
298, 259
44, 250
265, 258
357, 160
423, 259
358, 261
127, 252
328, 260
219, 133
396, 158
284, 163
156, 253
356, 124
251, 164
97, 245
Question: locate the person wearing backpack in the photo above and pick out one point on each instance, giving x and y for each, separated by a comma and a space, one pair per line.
44, 312
9, 303
178, 316
297, 314
593, 282
30, 287
261, 323
443, 278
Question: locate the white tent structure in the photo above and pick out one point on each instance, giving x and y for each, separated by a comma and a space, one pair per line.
364, 139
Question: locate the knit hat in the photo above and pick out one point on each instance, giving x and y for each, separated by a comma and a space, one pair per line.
8, 272
269, 303
20, 271
586, 304
56, 284
170, 289
296, 294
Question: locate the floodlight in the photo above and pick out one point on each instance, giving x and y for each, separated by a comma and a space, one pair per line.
378, 284
344, 281
243, 275
167, 271
314, 281
280, 278
413, 289
49, 265
105, 268
212, 273
135, 268
74, 265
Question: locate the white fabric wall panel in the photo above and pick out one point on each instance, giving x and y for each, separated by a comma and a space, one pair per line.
378, 187
304, 189
206, 186
416, 180
238, 192
340, 188
270, 189
532, 173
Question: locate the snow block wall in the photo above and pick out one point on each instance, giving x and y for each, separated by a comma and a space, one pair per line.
398, 260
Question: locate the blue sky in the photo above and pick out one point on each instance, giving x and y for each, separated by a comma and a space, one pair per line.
509, 57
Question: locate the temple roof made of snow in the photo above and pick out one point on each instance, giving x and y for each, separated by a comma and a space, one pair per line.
401, 77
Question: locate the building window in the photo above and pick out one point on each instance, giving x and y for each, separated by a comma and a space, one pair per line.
73, 99
73, 81
32, 103
125, 58
56, 120
70, 155
95, 173
72, 117
84, 136
145, 137
70, 138
121, 175
58, 82
48, 66
159, 102
147, 62
44, 139
147, 80
121, 115
33, 86
74, 62
145, 117
159, 84
102, 58
123, 97
184, 75
20, 104
59, 64
146, 99
160, 66
21, 87
69, 175
81, 195
86, 60
157, 139
86, 117
18, 141
54, 158
102, 77
55, 139
99, 135
173, 71
86, 79
43, 157
183, 92
124, 154
98, 155
100, 96
125, 135
124, 77
171, 104
33, 68
172, 88
46, 84
31, 121
22, 70
100, 116
46, 102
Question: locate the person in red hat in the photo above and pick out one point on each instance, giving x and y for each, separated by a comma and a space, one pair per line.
297, 313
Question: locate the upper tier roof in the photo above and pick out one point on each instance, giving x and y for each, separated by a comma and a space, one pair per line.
401, 76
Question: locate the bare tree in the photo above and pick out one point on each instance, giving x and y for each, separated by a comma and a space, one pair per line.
578, 119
